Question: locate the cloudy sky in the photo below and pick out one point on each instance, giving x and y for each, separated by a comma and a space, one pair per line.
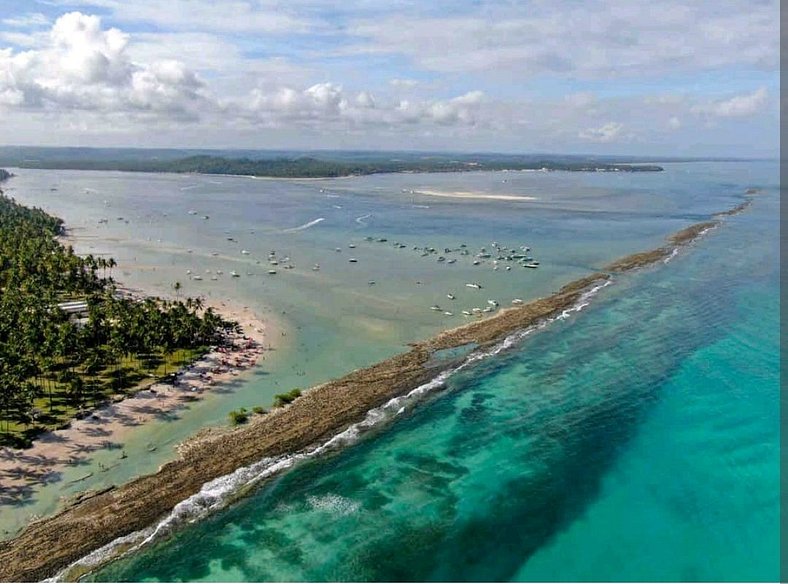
671, 77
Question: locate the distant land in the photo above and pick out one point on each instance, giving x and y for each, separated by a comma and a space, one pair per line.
300, 164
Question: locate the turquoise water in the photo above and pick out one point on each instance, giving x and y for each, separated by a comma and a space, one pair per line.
334, 320
635, 440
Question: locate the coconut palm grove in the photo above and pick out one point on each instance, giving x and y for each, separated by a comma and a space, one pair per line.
56, 364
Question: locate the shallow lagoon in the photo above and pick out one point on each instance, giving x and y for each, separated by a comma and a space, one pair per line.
333, 319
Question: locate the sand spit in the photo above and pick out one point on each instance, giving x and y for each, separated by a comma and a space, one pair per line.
472, 195
51, 544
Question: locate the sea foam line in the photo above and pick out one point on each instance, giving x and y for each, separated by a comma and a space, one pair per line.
305, 225
219, 492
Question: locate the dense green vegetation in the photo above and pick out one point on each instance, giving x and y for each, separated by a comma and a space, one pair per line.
315, 167
55, 365
282, 399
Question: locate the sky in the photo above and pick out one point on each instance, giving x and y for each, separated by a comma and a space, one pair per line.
678, 78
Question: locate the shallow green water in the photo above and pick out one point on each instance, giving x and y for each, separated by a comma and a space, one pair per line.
636, 440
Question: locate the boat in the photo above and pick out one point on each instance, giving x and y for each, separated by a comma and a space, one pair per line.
452, 261
196, 277
508, 268
272, 272
517, 301
492, 302
531, 265
188, 272
351, 245
337, 249
371, 282
466, 313
441, 259
206, 217
488, 309
316, 268
274, 263
474, 285
214, 278
235, 274
215, 253
244, 252
476, 262
435, 307
447, 313
450, 296
219, 272
353, 260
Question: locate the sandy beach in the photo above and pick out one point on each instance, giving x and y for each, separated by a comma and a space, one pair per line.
472, 195
22, 470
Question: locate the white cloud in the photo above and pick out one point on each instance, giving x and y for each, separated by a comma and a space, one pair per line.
230, 16
605, 39
606, 133
674, 123
404, 83
737, 106
82, 66
29, 20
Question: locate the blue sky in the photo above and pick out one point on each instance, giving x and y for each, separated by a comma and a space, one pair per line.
623, 77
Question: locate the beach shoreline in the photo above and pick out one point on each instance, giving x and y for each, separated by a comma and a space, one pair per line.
24, 470
47, 546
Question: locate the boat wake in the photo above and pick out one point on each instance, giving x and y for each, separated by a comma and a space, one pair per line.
304, 226
219, 492
360, 220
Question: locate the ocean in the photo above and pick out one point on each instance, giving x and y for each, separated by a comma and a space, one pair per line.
637, 439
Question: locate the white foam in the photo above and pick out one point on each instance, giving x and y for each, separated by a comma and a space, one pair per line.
305, 225
219, 492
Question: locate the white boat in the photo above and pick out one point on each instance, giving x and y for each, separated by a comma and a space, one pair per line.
316, 268
435, 307
447, 313
492, 302
219, 272
531, 265
517, 301
450, 296
244, 252
352, 245
235, 274
188, 272
196, 277
474, 285
353, 260
488, 309
272, 272
466, 313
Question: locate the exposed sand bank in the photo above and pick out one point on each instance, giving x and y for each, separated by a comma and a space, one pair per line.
473, 195
51, 544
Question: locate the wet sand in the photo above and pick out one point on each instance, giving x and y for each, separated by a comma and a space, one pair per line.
96, 519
